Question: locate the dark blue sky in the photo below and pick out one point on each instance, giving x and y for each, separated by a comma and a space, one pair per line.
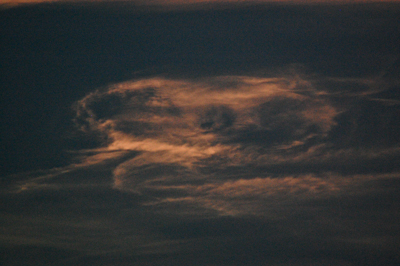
233, 135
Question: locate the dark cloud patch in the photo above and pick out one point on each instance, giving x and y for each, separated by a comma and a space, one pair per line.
344, 87
136, 128
107, 105
319, 231
367, 123
389, 96
281, 115
279, 110
344, 164
254, 135
34, 255
217, 118
307, 234
377, 124
68, 204
156, 173
279, 122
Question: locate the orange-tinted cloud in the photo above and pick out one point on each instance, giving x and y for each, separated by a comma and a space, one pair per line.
187, 131
264, 196
191, 121
230, 145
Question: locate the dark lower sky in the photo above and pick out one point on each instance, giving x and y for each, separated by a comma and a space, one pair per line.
257, 134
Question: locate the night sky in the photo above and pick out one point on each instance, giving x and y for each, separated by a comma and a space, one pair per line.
244, 133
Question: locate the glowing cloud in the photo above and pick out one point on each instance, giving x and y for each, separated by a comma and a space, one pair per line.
181, 127
226, 145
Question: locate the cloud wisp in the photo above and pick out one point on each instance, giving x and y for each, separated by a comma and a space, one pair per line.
228, 145
211, 141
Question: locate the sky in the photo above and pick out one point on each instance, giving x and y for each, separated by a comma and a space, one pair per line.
235, 134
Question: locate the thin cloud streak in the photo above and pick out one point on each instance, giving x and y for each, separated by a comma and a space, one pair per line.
265, 196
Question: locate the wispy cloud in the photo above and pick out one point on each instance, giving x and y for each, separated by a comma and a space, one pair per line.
270, 151
224, 142
225, 137
215, 141
262, 196
187, 123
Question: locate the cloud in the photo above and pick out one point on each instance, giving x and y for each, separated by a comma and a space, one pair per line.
203, 113
233, 140
222, 162
188, 122
263, 196
227, 145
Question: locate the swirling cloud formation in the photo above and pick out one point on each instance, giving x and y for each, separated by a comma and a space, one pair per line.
209, 142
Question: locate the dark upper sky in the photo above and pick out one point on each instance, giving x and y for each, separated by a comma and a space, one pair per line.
263, 134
